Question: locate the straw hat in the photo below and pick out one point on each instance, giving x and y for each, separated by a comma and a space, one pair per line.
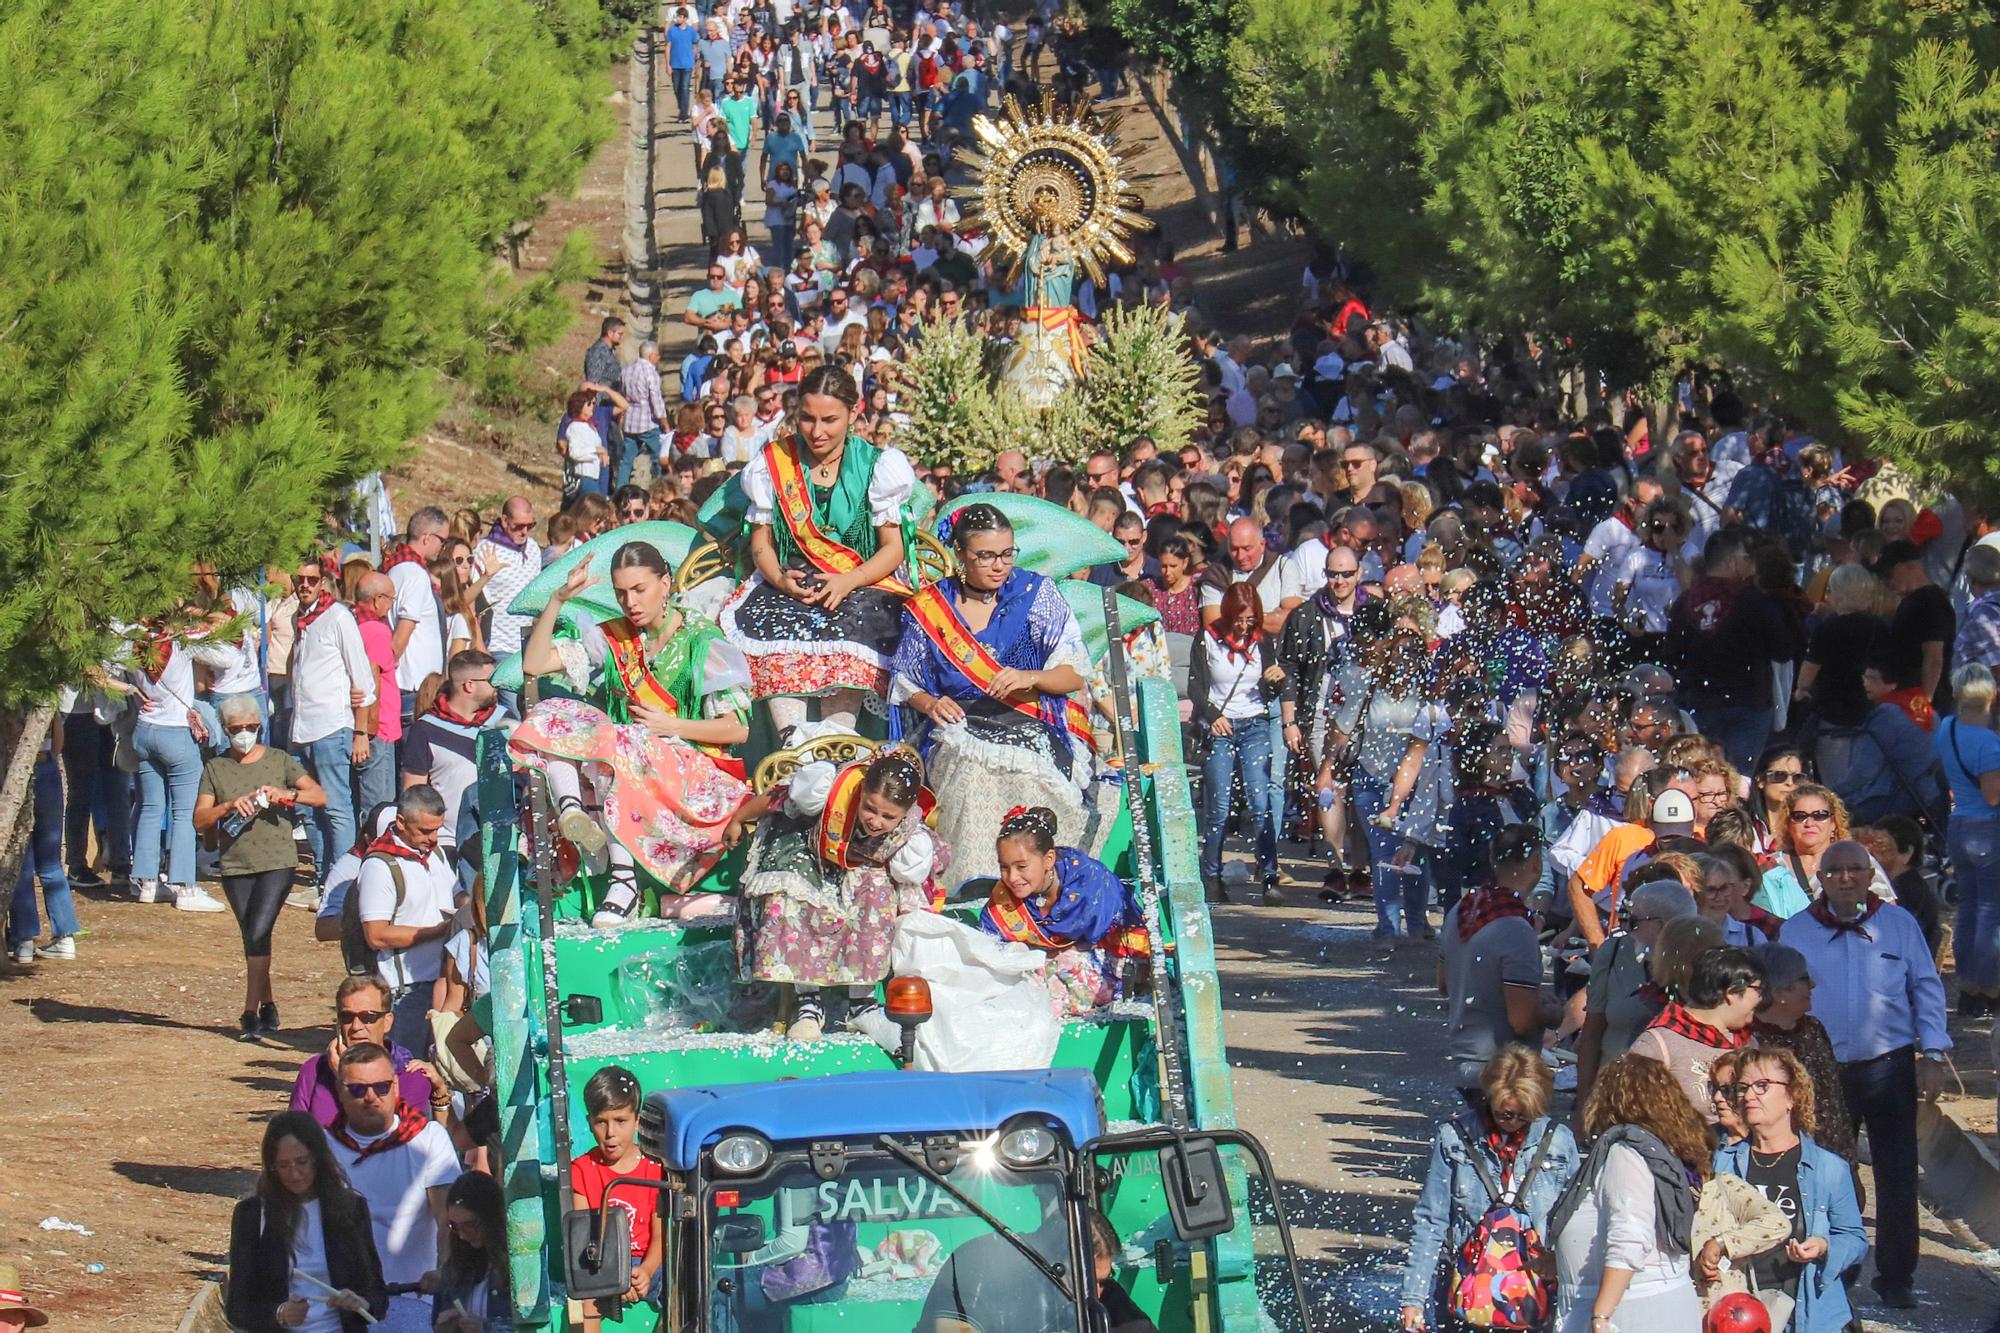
15, 1301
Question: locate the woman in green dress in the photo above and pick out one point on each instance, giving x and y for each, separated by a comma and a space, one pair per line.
669, 699
828, 518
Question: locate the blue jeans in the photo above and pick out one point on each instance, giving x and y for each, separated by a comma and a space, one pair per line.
1741, 732
683, 89
330, 829
1408, 885
899, 109
169, 772
646, 444
1275, 722
375, 781
44, 858
100, 794
1241, 758
781, 246
1975, 856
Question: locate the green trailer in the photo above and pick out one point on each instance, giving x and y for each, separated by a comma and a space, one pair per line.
772, 1147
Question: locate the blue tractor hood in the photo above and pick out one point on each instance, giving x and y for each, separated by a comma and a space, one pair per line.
680, 1121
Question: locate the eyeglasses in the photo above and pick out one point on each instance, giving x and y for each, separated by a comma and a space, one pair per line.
991, 557
251, 729
1343, 573
1761, 1087
1351, 464
307, 580
1132, 543
1812, 816
371, 1016
361, 1091
1727, 1092
1781, 777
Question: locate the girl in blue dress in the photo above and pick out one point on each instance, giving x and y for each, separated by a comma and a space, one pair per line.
1068, 905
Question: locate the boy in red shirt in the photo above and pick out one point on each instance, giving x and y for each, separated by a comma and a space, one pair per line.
611, 1101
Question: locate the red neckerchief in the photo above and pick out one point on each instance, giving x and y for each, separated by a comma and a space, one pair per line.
1676, 1019
308, 614
1506, 1146
365, 611
1167, 507
1233, 648
1626, 519
1485, 905
1822, 912
1916, 705
404, 555
390, 845
1654, 994
444, 710
1763, 921
409, 1123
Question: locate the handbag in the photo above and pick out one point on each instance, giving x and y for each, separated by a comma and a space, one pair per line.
1204, 735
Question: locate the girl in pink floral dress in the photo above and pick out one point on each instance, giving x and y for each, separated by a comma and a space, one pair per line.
671, 698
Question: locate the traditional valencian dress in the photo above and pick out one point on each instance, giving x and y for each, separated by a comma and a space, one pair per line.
801, 650
1092, 922
666, 800
819, 901
1005, 753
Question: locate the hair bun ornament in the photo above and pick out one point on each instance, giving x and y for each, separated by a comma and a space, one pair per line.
1022, 819
945, 526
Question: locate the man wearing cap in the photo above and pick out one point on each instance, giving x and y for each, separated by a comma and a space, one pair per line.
1659, 806
1876, 991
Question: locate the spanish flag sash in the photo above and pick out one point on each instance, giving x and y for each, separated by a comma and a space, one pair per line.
843, 813
1018, 924
641, 686
635, 674
795, 506
940, 622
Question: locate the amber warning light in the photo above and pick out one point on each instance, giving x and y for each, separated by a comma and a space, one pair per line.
908, 1002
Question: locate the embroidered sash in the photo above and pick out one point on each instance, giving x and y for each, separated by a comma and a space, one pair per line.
635, 674
843, 812
955, 641
795, 506
1011, 920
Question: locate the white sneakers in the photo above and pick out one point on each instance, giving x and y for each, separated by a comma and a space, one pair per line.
61, 949
194, 898
184, 897
24, 952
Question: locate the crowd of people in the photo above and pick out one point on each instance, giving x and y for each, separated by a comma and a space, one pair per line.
1668, 727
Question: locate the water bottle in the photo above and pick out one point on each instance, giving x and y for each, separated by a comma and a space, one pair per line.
235, 821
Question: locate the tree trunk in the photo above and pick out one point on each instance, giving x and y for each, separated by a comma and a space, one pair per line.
21, 736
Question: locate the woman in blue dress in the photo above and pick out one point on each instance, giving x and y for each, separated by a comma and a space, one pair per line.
994, 661
1070, 906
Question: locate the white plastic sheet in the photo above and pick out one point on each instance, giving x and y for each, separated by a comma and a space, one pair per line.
990, 1004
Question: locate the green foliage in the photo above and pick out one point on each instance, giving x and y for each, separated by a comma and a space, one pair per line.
243, 244
948, 395
1142, 381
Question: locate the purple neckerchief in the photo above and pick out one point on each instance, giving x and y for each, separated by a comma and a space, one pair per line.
1330, 608
315, 1093
499, 537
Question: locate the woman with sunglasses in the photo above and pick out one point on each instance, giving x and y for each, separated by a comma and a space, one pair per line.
1799, 1282
1812, 819
1779, 770
1504, 1139
301, 1249
244, 801
474, 1287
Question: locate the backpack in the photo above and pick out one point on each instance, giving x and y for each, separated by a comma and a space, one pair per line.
355, 950
1503, 1276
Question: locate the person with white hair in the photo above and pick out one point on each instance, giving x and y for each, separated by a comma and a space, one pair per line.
645, 411
244, 801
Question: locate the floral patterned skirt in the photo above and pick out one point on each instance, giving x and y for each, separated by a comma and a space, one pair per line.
665, 801
801, 650
1078, 981
802, 923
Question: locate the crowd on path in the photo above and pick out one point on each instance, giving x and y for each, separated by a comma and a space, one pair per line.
1671, 731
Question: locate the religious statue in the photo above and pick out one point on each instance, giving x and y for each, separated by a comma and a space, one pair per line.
1049, 197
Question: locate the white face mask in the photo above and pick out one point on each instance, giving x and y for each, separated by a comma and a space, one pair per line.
243, 742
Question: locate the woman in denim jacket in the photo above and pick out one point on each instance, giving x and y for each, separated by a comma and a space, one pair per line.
1507, 1134
1811, 1183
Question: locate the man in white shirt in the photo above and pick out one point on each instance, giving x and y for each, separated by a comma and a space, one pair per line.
400, 1161
414, 617
513, 556
330, 670
1604, 549
840, 316
408, 899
